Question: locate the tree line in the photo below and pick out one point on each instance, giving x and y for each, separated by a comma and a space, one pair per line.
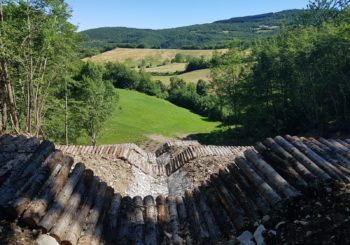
195, 97
45, 89
215, 35
295, 82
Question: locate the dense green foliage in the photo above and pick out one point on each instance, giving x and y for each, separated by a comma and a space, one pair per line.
215, 35
194, 97
293, 83
96, 96
122, 76
38, 48
197, 64
45, 90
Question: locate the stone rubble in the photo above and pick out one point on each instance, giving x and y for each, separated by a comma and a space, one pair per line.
130, 179
246, 238
258, 235
46, 240
142, 184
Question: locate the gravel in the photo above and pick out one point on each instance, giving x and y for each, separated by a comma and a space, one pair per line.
142, 184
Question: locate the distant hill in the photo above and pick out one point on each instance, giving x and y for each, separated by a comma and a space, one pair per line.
214, 35
264, 19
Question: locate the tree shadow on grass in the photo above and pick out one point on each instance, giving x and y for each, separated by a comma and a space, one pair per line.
224, 135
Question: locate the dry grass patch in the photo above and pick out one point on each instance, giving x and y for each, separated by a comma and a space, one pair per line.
192, 76
174, 67
158, 56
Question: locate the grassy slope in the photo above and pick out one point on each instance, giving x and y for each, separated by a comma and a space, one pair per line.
138, 115
193, 76
155, 56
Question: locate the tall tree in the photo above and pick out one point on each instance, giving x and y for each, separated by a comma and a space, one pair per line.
47, 44
298, 81
97, 96
228, 77
321, 11
8, 94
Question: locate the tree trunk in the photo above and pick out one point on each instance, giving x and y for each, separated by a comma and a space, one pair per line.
139, 222
19, 177
38, 207
39, 99
332, 152
57, 155
302, 158
262, 204
184, 225
198, 228
9, 90
93, 139
274, 179
94, 216
66, 110
150, 221
3, 111
112, 218
124, 227
72, 234
10, 95
163, 220
207, 215
174, 221
98, 237
332, 158
221, 217
20, 204
337, 147
60, 203
261, 186
229, 202
299, 168
281, 166
65, 219
246, 203
321, 162
9, 166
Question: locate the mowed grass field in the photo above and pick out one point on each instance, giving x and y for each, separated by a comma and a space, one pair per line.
138, 115
192, 76
132, 56
174, 67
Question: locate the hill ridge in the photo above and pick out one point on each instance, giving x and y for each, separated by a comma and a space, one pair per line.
255, 16
216, 34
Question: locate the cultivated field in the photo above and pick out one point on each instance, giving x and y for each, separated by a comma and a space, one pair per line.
192, 76
151, 56
138, 115
174, 67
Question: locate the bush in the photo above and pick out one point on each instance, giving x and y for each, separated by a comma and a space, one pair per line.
197, 64
121, 76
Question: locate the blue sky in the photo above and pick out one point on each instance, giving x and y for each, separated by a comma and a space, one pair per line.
158, 14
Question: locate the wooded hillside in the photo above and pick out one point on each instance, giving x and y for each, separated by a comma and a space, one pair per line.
213, 35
